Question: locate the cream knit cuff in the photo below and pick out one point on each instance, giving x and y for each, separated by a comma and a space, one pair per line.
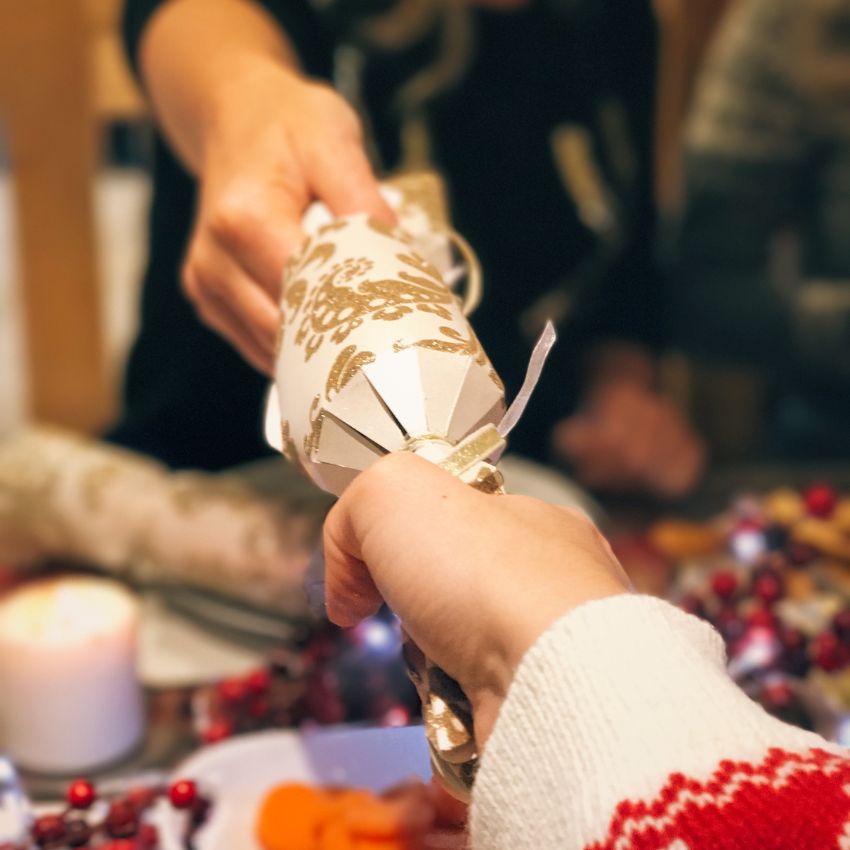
615, 697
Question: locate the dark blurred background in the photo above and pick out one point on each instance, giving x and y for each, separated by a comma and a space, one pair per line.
75, 145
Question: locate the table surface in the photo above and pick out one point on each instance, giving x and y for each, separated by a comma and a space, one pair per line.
170, 736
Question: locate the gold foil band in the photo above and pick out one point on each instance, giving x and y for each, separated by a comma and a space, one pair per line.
472, 450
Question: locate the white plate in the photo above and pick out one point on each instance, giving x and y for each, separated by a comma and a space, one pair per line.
527, 478
175, 652
237, 773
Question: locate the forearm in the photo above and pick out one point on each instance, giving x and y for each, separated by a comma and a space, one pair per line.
612, 712
196, 55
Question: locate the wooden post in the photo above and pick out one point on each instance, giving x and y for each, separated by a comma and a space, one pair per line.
45, 102
686, 28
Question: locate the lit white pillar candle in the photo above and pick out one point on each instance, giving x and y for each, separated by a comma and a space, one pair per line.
69, 694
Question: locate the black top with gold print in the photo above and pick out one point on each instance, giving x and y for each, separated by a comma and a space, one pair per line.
574, 66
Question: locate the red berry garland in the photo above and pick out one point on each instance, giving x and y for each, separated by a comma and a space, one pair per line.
123, 827
234, 705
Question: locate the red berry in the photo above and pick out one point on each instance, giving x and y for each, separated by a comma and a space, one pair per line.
777, 694
48, 829
724, 583
762, 618
183, 793
768, 585
218, 730
81, 794
119, 844
258, 682
122, 820
820, 500
826, 652
232, 691
148, 837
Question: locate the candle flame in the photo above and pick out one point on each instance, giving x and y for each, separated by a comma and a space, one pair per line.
65, 610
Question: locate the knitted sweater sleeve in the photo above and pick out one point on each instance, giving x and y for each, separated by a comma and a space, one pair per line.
622, 731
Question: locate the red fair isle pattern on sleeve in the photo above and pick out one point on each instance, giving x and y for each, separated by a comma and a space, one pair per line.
790, 801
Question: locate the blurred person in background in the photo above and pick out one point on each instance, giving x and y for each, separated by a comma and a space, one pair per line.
764, 265
252, 132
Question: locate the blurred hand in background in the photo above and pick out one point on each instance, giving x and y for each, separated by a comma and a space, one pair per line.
264, 141
626, 436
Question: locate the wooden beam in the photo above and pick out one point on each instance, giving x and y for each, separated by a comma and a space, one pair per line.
45, 101
686, 28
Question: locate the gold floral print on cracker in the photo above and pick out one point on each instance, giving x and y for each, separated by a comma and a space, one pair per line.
457, 344
345, 367
287, 444
317, 416
345, 297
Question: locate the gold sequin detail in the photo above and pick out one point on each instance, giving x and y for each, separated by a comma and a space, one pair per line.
473, 449
345, 298
332, 227
345, 367
311, 439
293, 298
278, 340
311, 255
382, 228
287, 444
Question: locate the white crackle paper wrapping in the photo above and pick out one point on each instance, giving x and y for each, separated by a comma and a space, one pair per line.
375, 354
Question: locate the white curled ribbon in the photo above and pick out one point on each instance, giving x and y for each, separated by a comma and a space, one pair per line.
532, 375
